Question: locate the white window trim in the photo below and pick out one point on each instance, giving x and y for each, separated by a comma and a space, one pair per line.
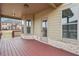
70, 23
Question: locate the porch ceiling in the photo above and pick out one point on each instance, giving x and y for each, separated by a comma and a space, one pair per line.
18, 10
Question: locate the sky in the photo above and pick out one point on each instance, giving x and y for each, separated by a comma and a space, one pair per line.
9, 20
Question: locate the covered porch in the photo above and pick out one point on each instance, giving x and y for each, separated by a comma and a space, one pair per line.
40, 33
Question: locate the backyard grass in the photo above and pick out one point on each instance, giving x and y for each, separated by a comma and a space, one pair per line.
6, 33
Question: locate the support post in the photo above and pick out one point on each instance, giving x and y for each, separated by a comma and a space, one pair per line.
25, 30
0, 29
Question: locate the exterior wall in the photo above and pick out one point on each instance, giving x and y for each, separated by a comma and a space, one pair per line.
38, 20
54, 25
54, 21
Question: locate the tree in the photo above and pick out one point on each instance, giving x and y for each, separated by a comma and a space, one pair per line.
67, 13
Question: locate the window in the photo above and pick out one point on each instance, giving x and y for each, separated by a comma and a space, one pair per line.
44, 24
28, 24
69, 24
44, 28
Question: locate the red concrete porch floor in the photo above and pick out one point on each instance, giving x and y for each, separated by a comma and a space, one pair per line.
21, 47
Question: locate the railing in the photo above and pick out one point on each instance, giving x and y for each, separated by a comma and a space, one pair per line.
16, 33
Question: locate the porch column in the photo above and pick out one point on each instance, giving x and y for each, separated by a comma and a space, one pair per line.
0, 17
25, 29
0, 23
78, 30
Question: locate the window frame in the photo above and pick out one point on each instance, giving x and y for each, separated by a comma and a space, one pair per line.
67, 24
45, 20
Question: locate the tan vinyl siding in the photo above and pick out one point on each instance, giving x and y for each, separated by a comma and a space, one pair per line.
54, 25
54, 21
38, 20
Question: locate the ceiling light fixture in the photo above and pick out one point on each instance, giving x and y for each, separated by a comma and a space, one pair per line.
26, 5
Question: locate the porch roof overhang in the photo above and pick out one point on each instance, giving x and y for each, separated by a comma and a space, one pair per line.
18, 10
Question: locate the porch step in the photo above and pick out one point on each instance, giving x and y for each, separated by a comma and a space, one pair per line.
27, 36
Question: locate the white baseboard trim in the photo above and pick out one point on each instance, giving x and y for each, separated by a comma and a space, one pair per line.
23, 36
